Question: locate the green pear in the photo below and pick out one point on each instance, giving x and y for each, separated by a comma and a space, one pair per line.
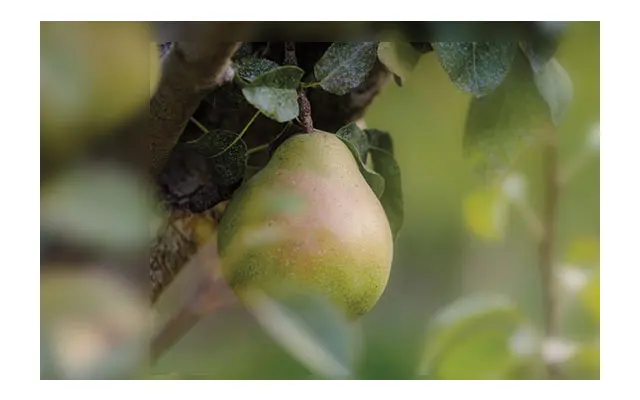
308, 220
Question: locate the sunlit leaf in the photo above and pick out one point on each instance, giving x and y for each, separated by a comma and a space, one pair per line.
311, 330
584, 250
556, 88
505, 123
274, 93
590, 298
476, 67
472, 339
345, 66
399, 57
486, 212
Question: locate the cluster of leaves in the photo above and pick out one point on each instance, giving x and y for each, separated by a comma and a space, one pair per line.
273, 90
520, 92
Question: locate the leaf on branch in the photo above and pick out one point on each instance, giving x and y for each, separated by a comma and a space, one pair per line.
356, 136
392, 198
380, 139
345, 66
556, 88
311, 329
228, 160
351, 135
249, 68
502, 124
384, 163
542, 45
275, 94
476, 67
479, 337
399, 57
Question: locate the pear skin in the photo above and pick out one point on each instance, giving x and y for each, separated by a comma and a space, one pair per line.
308, 220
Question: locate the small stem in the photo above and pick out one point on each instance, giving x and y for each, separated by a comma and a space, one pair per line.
303, 102
257, 149
290, 54
199, 125
244, 130
305, 111
546, 247
209, 297
306, 85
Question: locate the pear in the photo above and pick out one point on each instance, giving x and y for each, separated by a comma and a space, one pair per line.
308, 220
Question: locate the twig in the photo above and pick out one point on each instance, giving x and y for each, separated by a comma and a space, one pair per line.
546, 249
240, 135
197, 123
257, 149
208, 298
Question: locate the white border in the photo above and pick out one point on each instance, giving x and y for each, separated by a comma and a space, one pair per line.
619, 217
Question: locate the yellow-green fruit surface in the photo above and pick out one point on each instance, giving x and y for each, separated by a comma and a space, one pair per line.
308, 221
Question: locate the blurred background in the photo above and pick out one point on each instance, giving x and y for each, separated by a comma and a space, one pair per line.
444, 258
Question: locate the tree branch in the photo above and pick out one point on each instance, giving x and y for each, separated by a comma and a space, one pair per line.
189, 71
546, 249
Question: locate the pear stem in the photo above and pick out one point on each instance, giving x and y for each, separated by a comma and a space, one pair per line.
303, 102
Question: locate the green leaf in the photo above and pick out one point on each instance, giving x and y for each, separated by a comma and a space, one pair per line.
399, 57
249, 68
311, 329
274, 93
357, 137
584, 250
392, 198
473, 338
380, 139
556, 88
590, 298
500, 126
100, 206
345, 66
542, 45
476, 67
384, 163
227, 167
375, 181
486, 212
